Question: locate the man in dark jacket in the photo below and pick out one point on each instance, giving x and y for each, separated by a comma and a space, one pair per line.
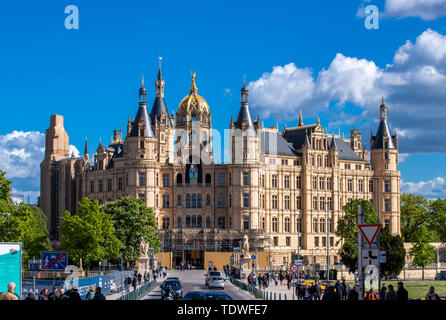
402, 293
391, 294
317, 291
54, 295
382, 292
134, 283
338, 287
98, 296
44, 294
139, 278
73, 293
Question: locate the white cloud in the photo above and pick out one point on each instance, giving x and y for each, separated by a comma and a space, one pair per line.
435, 188
20, 156
73, 151
414, 85
424, 9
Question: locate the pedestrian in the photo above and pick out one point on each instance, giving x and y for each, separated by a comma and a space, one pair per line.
30, 296
43, 295
402, 293
164, 272
73, 293
63, 296
432, 295
98, 296
338, 288
317, 291
90, 293
154, 276
139, 278
280, 278
382, 292
134, 283
288, 281
9, 295
300, 291
391, 294
54, 295
344, 289
353, 294
329, 294
127, 282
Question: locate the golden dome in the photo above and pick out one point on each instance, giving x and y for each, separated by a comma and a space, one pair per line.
193, 103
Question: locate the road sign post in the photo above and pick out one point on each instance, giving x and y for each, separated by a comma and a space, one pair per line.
360, 270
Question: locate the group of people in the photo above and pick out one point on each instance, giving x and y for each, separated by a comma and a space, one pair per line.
184, 266
72, 294
137, 280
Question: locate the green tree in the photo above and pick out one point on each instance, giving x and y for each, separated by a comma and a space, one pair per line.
133, 220
438, 212
347, 230
415, 213
89, 234
423, 252
395, 254
21, 223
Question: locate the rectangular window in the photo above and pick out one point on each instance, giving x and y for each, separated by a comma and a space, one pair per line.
349, 185
221, 180
166, 223
276, 241
142, 197
91, 186
221, 222
166, 180
386, 185
298, 183
298, 202
246, 178
245, 223
324, 242
360, 185
288, 241
221, 201
274, 181
119, 184
387, 225
314, 203
370, 185
329, 184
109, 185
321, 183
263, 201
315, 183
316, 241
166, 201
387, 204
331, 241
287, 202
246, 200
142, 179
274, 224
100, 185
287, 225
274, 203
358, 167
286, 182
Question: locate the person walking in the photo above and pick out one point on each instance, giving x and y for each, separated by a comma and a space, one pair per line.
73, 293
288, 281
63, 296
353, 294
9, 295
134, 283
382, 292
432, 295
344, 289
281, 278
391, 294
30, 296
139, 278
338, 288
402, 293
43, 295
98, 296
127, 283
317, 291
90, 293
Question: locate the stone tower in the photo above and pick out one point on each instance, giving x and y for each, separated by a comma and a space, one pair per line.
384, 161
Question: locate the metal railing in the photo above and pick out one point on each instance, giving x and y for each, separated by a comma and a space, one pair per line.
139, 292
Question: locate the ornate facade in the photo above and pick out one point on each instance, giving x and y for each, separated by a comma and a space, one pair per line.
285, 190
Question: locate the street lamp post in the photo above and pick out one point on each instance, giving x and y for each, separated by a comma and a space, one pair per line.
327, 203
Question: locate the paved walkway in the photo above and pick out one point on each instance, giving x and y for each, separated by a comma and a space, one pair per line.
117, 295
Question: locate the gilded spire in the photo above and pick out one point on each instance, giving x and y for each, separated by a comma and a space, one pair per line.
193, 87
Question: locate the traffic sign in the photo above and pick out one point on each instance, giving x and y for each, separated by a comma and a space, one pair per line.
294, 268
53, 260
253, 257
369, 231
369, 257
34, 265
298, 262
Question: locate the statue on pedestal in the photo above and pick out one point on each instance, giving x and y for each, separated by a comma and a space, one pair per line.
143, 248
143, 260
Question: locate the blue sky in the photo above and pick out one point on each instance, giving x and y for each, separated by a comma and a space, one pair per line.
314, 55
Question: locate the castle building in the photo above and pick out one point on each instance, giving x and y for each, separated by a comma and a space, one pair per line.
284, 190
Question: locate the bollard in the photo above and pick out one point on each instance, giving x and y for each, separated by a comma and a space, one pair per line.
280, 296
285, 296
275, 296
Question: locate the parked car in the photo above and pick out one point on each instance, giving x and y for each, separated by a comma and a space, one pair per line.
216, 282
206, 295
172, 278
176, 287
212, 274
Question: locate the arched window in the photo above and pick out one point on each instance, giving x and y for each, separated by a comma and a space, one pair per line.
179, 178
179, 222
188, 200
208, 200
199, 221
179, 200
199, 201
187, 221
194, 200
314, 225
194, 221
208, 222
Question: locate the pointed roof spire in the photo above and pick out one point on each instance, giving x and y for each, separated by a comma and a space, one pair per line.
318, 120
159, 105
244, 81
142, 82
86, 147
333, 143
159, 77
301, 121
383, 130
193, 87
100, 141
307, 140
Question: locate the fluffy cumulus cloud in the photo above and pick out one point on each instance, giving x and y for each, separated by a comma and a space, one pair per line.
20, 156
414, 85
424, 9
435, 188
